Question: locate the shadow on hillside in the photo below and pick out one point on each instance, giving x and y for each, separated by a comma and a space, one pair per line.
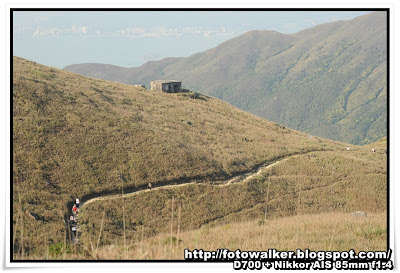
216, 178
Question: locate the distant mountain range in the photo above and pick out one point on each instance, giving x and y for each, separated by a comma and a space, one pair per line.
329, 80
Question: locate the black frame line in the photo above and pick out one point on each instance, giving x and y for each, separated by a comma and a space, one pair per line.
191, 9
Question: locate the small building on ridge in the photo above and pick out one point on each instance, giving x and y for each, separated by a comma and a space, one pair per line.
168, 86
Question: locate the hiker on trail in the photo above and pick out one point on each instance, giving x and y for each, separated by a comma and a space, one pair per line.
348, 148
77, 202
72, 221
74, 210
373, 150
149, 186
73, 229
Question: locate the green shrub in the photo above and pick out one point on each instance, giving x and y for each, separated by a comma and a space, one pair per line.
172, 240
56, 250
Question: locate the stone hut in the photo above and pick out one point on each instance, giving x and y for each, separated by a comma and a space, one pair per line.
166, 86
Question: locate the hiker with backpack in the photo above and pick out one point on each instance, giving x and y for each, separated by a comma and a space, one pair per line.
74, 230
72, 221
74, 210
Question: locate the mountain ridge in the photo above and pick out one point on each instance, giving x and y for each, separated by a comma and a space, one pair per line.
328, 80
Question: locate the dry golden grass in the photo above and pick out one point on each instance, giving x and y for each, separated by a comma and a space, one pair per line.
326, 231
318, 182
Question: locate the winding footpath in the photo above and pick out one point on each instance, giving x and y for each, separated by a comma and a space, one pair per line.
242, 178
237, 179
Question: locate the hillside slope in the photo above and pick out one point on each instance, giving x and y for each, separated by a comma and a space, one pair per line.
80, 137
305, 185
312, 231
329, 80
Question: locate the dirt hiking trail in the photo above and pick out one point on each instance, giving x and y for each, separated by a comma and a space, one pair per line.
237, 179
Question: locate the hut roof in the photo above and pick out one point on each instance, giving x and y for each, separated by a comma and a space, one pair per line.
166, 81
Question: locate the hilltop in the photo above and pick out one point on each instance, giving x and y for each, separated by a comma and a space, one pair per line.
82, 137
328, 80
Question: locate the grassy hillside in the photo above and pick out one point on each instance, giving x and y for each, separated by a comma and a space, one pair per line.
81, 137
336, 181
326, 231
329, 80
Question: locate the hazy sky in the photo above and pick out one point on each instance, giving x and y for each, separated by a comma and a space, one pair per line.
131, 38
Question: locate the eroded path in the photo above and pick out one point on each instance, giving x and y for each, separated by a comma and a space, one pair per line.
237, 179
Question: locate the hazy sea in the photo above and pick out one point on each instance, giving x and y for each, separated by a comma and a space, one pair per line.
60, 51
